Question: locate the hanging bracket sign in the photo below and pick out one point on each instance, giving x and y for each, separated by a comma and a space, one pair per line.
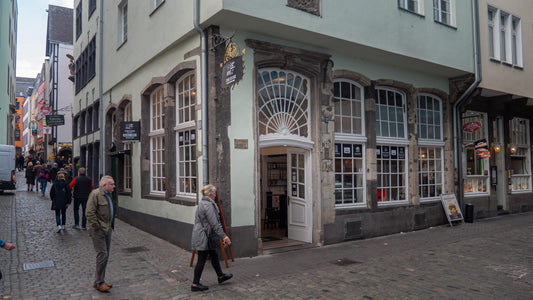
233, 66
472, 126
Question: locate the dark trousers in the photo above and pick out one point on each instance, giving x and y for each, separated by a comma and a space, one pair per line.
77, 202
202, 257
101, 243
61, 214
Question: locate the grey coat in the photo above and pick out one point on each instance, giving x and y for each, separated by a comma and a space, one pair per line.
206, 223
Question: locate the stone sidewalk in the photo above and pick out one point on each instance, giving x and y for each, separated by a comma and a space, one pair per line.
488, 259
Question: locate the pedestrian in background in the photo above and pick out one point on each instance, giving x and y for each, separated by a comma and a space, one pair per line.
36, 170
30, 178
205, 235
43, 178
61, 199
53, 172
81, 188
101, 212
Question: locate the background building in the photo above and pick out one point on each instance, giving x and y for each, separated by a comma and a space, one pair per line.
8, 58
23, 84
58, 86
502, 104
86, 102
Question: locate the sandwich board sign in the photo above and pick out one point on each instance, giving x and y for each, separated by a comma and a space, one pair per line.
451, 208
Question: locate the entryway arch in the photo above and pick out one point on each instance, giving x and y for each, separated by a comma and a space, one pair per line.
284, 130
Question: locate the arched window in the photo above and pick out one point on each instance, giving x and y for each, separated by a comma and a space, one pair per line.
283, 105
157, 142
430, 147
127, 157
186, 163
350, 144
392, 146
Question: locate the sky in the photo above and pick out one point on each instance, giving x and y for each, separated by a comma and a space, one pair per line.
31, 35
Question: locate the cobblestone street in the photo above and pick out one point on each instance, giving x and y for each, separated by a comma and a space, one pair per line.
487, 259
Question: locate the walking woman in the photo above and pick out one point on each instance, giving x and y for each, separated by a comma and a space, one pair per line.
205, 234
30, 177
61, 198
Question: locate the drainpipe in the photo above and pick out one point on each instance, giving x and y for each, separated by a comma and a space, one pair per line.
205, 160
100, 93
459, 103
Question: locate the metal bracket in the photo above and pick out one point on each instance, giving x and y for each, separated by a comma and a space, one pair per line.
219, 39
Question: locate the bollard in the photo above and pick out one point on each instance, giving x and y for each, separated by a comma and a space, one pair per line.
469, 213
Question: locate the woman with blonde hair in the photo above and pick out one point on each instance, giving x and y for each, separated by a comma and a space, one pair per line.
205, 234
30, 177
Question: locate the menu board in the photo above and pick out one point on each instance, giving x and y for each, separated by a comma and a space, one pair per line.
451, 208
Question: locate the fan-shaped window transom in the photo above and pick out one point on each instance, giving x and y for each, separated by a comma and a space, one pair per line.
283, 104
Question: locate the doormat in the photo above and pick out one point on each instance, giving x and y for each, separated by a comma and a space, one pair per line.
270, 239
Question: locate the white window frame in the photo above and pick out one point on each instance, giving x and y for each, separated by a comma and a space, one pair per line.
154, 4
427, 121
417, 7
186, 126
350, 138
506, 43
516, 42
491, 23
380, 143
284, 108
436, 143
157, 142
352, 101
127, 158
122, 22
472, 183
360, 173
389, 120
520, 179
438, 11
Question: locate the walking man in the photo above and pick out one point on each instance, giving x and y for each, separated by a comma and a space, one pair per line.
82, 187
101, 212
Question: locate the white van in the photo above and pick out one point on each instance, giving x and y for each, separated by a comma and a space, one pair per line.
7, 168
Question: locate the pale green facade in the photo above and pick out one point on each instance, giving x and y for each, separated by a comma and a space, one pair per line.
377, 40
8, 54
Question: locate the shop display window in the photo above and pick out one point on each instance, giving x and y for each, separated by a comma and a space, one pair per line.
475, 167
520, 163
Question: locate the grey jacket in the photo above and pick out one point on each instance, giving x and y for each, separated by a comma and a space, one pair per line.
206, 223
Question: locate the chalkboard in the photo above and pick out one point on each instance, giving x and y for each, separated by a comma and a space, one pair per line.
451, 208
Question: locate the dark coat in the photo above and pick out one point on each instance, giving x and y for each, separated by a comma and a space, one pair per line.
60, 195
30, 177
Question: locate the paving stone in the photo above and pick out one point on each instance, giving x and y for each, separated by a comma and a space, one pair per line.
488, 259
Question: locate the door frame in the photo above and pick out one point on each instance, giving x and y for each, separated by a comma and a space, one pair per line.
297, 233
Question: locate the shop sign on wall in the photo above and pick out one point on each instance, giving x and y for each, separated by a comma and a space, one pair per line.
130, 131
55, 120
233, 66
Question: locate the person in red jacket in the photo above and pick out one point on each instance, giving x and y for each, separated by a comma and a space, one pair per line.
82, 187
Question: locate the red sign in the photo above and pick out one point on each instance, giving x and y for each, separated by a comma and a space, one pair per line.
472, 126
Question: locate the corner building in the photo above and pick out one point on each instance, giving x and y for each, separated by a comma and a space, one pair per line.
340, 127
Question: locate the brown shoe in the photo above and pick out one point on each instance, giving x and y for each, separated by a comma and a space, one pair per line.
102, 288
105, 283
